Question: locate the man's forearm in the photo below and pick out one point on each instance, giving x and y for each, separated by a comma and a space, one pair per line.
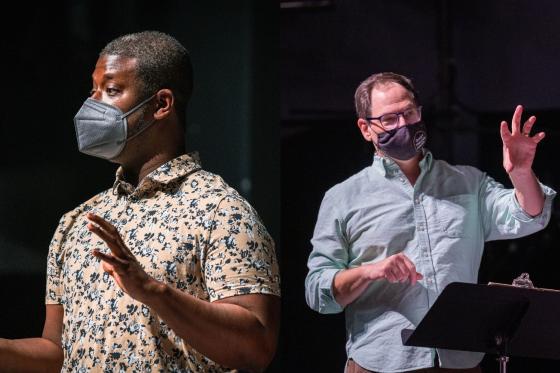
349, 284
30, 355
227, 333
528, 191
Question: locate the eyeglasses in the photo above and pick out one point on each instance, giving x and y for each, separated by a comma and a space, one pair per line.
390, 121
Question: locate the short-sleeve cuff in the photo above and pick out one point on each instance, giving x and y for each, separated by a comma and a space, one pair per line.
232, 291
52, 297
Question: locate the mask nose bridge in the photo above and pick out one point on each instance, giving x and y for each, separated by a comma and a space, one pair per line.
108, 111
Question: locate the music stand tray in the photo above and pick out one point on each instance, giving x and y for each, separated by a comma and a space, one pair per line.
498, 319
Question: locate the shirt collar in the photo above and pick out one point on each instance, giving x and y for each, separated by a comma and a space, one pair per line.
386, 166
164, 174
426, 161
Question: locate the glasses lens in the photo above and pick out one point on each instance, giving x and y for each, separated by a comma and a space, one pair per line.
412, 115
389, 121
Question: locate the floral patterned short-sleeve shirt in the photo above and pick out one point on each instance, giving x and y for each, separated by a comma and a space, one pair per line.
187, 228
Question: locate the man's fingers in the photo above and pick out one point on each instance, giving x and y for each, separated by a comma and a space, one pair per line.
412, 278
516, 120
112, 260
112, 242
105, 225
108, 233
408, 263
110, 228
411, 270
401, 268
390, 275
505, 134
528, 125
109, 239
538, 137
100, 221
107, 267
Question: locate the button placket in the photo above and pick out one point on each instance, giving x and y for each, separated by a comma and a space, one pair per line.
426, 265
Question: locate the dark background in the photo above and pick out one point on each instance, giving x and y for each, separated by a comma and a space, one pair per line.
254, 65
473, 62
49, 50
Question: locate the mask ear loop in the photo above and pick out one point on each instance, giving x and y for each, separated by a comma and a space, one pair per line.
132, 111
141, 130
137, 106
373, 142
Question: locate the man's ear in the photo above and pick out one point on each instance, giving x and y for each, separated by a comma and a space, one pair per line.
366, 131
165, 104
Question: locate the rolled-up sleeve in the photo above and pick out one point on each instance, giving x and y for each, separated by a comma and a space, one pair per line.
504, 218
328, 256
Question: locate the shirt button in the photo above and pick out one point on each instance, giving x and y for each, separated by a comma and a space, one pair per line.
429, 281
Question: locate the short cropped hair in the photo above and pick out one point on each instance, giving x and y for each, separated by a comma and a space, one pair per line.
362, 97
162, 62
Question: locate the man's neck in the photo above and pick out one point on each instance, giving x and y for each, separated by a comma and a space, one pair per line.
410, 168
136, 171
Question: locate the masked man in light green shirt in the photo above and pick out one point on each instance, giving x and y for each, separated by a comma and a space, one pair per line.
391, 237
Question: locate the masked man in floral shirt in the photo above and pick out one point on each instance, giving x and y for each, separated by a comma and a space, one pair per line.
168, 270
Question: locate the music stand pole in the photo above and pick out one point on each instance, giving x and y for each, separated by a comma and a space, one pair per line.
502, 344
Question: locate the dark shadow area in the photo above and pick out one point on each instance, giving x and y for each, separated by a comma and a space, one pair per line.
24, 306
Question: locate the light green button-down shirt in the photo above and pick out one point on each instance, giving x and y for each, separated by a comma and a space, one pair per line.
440, 223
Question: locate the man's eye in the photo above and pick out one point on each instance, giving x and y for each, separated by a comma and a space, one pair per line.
389, 118
111, 91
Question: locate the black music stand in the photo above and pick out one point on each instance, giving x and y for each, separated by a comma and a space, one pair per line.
499, 319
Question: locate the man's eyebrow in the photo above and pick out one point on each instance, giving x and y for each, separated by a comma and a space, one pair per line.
106, 76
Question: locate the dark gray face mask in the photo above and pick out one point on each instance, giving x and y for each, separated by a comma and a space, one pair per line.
404, 142
101, 129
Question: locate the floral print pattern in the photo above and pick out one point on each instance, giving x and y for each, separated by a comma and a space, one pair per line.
187, 228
